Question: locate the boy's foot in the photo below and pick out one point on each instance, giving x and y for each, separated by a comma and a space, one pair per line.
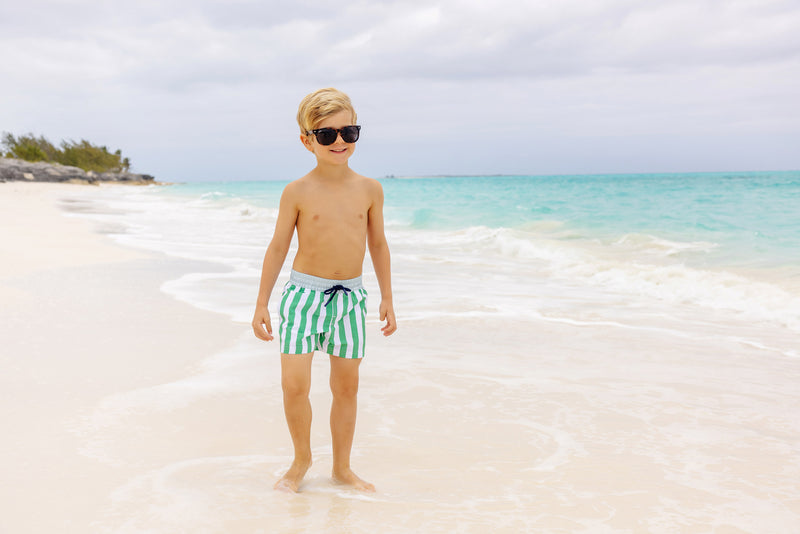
348, 478
290, 482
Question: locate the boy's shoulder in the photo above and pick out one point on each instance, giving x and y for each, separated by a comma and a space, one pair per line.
366, 181
371, 184
299, 185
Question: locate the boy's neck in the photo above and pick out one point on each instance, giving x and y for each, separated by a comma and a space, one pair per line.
332, 172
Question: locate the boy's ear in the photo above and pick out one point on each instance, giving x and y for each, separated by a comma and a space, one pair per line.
306, 140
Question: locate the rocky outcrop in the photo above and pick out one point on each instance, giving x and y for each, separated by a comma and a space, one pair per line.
20, 170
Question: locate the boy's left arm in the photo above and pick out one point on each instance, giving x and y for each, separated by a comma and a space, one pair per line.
381, 260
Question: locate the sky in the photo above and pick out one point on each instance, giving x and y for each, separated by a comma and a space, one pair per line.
195, 90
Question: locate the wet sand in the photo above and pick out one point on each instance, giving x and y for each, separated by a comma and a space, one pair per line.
132, 412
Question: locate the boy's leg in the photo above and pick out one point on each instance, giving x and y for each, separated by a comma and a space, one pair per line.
344, 387
296, 383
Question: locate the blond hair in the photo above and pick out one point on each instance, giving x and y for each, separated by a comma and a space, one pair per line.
321, 104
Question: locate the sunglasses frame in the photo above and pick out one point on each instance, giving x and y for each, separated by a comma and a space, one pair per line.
338, 131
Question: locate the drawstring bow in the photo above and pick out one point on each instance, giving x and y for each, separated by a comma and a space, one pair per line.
333, 290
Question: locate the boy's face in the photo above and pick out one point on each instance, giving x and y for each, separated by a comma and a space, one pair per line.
339, 152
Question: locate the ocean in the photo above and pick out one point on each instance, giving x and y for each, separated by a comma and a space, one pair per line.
682, 244
600, 353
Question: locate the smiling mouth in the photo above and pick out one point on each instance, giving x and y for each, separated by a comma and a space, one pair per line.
339, 150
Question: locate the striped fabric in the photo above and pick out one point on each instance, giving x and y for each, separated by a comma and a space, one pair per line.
309, 324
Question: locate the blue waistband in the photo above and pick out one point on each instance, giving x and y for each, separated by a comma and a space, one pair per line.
321, 284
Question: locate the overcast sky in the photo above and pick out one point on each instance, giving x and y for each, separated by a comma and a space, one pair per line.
204, 90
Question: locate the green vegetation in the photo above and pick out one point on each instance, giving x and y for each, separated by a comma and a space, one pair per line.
83, 154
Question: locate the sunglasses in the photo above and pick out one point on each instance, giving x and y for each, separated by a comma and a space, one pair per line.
327, 136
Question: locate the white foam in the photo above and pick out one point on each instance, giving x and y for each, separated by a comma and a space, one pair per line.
471, 273
650, 244
566, 447
239, 369
591, 264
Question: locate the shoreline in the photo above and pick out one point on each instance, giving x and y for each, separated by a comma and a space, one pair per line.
545, 421
83, 319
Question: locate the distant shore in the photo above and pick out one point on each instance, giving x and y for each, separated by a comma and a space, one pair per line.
17, 170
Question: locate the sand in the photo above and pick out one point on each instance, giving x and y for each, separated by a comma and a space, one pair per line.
82, 319
125, 410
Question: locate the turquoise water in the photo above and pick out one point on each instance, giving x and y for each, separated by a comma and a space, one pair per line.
752, 217
628, 249
734, 219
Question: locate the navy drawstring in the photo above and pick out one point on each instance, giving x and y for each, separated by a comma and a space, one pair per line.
335, 289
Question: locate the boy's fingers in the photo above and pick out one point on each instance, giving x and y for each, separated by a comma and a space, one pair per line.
259, 332
263, 329
266, 334
267, 328
390, 326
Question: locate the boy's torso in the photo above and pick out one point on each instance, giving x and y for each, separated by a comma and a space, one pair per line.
332, 225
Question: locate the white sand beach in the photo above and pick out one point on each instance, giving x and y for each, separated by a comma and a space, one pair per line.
82, 320
126, 410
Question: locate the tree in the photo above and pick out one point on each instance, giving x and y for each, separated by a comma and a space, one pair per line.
83, 154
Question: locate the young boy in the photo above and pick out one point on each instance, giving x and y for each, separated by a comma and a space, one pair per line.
337, 212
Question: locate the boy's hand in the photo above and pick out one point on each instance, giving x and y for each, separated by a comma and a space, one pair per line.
387, 314
262, 327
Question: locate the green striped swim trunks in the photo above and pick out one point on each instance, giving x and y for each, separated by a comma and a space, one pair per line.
325, 315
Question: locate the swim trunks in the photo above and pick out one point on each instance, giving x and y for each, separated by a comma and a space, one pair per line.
321, 314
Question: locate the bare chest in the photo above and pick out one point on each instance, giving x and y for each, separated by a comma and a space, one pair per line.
335, 212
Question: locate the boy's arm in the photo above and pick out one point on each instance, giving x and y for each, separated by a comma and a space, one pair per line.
273, 261
381, 260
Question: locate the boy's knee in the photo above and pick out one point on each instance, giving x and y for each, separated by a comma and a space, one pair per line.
295, 388
344, 388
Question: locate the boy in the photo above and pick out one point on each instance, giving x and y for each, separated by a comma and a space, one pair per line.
323, 306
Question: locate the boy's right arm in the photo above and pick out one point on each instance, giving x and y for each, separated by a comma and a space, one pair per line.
273, 260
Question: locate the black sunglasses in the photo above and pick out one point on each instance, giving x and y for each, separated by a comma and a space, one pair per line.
327, 136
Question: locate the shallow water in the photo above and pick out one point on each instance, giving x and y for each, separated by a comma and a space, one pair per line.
575, 354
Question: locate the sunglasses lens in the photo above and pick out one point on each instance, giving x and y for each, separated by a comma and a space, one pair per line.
350, 134
326, 136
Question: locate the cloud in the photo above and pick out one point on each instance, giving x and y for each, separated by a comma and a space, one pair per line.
454, 40
185, 43
225, 77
